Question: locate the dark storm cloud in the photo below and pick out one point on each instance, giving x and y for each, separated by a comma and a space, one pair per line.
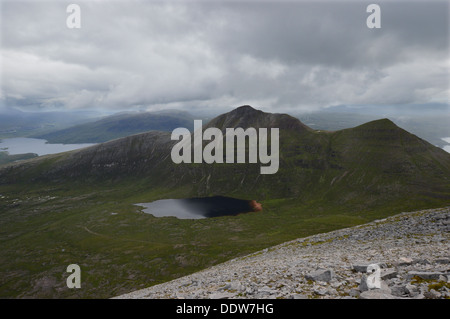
293, 54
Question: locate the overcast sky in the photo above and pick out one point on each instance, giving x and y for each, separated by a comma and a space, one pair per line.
294, 55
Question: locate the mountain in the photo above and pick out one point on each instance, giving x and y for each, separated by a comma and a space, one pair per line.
246, 116
119, 125
432, 128
79, 206
370, 164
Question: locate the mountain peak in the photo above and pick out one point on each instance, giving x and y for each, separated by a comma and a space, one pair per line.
245, 110
246, 116
245, 107
384, 123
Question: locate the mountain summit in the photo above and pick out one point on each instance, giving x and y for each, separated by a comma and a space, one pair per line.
246, 116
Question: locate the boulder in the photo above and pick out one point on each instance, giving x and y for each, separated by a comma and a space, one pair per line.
320, 275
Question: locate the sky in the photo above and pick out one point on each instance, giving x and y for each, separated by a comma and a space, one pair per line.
273, 55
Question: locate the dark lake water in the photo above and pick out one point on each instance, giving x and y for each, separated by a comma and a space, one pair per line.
202, 207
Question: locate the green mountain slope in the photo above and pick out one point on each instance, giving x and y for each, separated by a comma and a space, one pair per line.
77, 207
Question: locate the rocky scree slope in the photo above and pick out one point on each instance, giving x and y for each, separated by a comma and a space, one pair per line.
412, 250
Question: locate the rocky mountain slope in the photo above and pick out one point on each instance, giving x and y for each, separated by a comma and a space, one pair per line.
412, 249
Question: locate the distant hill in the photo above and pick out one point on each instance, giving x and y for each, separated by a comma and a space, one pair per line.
119, 125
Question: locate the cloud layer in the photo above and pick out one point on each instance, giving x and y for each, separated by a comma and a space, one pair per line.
285, 55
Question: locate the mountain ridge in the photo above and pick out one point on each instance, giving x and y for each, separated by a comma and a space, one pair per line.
378, 154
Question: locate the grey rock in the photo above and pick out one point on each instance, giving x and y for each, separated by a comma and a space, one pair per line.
363, 285
321, 291
221, 295
377, 294
385, 288
320, 275
360, 267
388, 274
399, 291
354, 292
443, 261
424, 275
422, 261
267, 291
411, 290
227, 286
432, 294
331, 291
404, 261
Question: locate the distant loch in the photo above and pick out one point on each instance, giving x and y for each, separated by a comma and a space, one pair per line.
23, 145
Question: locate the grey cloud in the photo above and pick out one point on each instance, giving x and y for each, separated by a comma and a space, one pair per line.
276, 54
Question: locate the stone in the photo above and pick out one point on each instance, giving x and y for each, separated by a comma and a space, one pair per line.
321, 291
377, 294
432, 294
221, 295
320, 275
354, 292
443, 261
404, 261
424, 275
385, 288
360, 267
363, 285
227, 286
331, 291
388, 274
411, 290
422, 261
399, 291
